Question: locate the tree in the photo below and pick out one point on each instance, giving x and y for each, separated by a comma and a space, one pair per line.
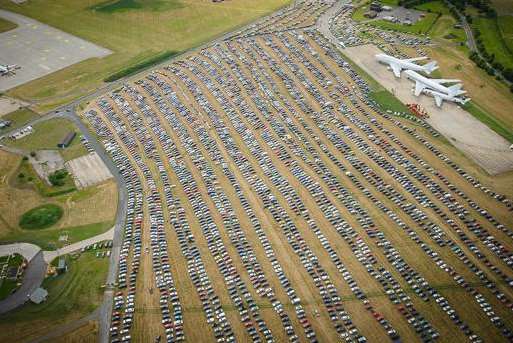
58, 178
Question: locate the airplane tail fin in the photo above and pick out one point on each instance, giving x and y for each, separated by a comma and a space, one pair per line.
430, 67
455, 90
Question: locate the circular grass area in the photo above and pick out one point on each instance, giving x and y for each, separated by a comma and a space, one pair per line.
41, 217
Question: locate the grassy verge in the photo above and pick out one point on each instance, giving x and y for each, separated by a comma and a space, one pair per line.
387, 101
490, 121
71, 295
130, 70
48, 239
19, 118
6, 25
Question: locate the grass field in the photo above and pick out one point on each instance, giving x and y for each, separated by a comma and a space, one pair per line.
134, 34
6, 25
434, 6
420, 27
48, 134
71, 296
389, 102
87, 212
19, 118
48, 239
84, 334
506, 30
493, 41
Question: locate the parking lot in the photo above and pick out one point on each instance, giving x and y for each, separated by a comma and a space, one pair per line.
39, 50
270, 200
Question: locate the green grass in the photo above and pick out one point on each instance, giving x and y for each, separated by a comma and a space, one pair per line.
140, 33
420, 27
48, 134
6, 25
506, 30
19, 118
31, 179
41, 217
48, 239
493, 40
127, 5
7, 287
434, 6
132, 69
493, 123
71, 295
388, 102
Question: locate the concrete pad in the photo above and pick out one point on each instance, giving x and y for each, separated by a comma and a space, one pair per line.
46, 162
88, 170
476, 140
40, 49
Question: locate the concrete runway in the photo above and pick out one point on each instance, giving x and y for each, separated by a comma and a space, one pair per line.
40, 49
476, 140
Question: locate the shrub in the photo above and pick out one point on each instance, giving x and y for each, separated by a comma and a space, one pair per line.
58, 178
41, 217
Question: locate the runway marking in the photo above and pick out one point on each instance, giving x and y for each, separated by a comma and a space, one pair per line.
44, 67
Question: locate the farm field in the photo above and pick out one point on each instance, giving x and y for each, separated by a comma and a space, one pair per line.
277, 202
71, 296
137, 30
87, 212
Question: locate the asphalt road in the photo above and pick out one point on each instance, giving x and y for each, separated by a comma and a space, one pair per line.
34, 275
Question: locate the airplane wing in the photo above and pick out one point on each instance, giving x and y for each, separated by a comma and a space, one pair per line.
444, 80
419, 87
415, 59
396, 69
438, 100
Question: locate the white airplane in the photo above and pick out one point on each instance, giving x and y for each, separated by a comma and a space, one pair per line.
6, 69
422, 83
397, 65
440, 97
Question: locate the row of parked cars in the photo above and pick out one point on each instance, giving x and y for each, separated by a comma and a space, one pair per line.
286, 137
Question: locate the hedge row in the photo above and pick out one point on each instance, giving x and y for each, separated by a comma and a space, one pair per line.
139, 66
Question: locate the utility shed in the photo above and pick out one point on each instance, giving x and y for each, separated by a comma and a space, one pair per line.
39, 295
66, 141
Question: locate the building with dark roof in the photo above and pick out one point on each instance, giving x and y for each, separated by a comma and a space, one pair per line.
66, 141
